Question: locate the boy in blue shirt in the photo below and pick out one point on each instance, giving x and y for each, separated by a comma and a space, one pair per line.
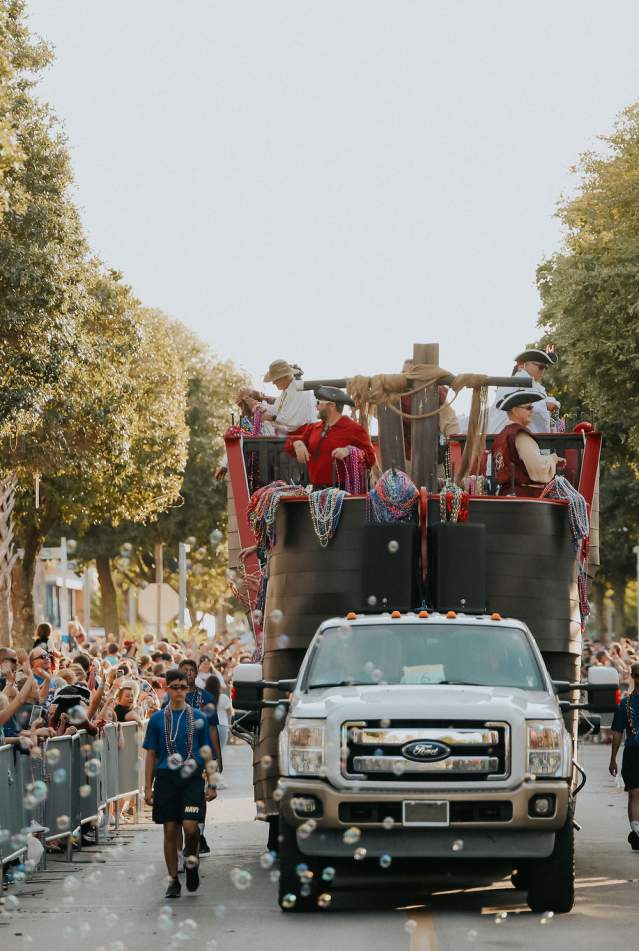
174, 777
626, 719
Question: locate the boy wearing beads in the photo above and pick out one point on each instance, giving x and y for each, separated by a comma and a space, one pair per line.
626, 720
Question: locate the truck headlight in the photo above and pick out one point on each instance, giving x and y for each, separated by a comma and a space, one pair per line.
302, 748
548, 748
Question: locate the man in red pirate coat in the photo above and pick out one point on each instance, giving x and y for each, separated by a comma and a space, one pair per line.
320, 445
519, 465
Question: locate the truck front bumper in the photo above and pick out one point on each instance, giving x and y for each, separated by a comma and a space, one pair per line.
521, 836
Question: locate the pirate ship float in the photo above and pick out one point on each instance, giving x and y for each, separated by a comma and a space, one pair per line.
515, 556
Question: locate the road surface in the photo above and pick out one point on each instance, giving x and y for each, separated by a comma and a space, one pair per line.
110, 897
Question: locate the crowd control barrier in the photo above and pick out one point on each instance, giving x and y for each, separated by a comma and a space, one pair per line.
66, 787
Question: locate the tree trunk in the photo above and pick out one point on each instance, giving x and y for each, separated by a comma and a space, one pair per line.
619, 605
110, 618
22, 588
8, 556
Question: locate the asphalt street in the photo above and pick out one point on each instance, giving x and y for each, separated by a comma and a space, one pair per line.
111, 896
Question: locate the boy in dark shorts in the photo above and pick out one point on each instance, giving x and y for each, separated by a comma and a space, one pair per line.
174, 784
626, 719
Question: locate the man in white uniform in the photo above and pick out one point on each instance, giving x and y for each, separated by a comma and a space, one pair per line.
293, 408
531, 364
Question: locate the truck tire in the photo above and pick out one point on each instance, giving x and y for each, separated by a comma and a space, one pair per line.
289, 880
551, 881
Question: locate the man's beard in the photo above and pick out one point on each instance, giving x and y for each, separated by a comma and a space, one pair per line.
323, 415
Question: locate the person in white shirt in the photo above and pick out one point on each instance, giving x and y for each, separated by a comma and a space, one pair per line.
530, 364
293, 408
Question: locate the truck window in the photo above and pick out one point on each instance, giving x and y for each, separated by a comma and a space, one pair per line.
424, 654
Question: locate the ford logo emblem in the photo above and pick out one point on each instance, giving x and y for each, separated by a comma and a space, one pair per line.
425, 751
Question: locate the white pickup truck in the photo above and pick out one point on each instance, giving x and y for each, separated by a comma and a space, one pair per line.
428, 743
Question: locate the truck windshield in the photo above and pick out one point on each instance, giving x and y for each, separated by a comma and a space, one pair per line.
424, 654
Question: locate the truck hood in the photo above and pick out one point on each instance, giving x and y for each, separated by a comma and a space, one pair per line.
417, 701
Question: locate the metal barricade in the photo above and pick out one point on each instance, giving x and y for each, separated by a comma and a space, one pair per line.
59, 776
128, 760
12, 813
110, 753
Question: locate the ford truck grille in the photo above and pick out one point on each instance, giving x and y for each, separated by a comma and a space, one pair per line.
424, 751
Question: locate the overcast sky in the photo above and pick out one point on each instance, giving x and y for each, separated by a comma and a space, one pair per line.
330, 181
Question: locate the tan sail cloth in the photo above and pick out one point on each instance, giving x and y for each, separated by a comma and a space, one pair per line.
386, 389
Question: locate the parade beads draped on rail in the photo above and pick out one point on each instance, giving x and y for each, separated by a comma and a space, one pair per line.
394, 498
326, 510
561, 488
262, 510
351, 472
453, 503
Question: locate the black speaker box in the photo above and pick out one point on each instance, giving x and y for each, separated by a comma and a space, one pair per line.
458, 567
389, 576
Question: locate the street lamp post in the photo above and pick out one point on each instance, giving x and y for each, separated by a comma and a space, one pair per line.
636, 551
64, 603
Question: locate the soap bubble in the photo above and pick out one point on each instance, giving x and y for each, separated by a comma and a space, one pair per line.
267, 761
92, 767
62, 822
458, 845
377, 675
267, 859
278, 794
70, 883
352, 835
328, 874
305, 890
11, 902
546, 918
371, 600
175, 761
29, 801
68, 901
191, 861
500, 917
77, 714
68, 932
39, 790
215, 537
189, 766
5, 835
369, 666
53, 756
60, 776
241, 878
359, 855
85, 790
282, 641
165, 922
388, 823
399, 768
393, 546
219, 911
280, 711
288, 901
324, 900
411, 926
472, 935
274, 875
211, 945
300, 869
276, 616
343, 631
385, 861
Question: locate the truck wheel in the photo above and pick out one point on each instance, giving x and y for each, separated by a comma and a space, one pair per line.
551, 881
289, 881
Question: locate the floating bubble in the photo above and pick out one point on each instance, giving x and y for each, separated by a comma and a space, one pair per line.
305, 830
371, 600
77, 714
241, 878
189, 766
472, 935
165, 922
385, 861
175, 761
70, 883
288, 901
189, 925
267, 859
62, 822
377, 675
278, 794
399, 768
352, 835
283, 641
458, 845
257, 617
393, 546
11, 902
274, 875
388, 823
98, 746
60, 776
324, 900
500, 917
343, 631
39, 790
219, 911
267, 761
410, 926
300, 869
276, 616
279, 712
328, 874
53, 756
369, 666
546, 917
5, 835
29, 801
92, 767
215, 537
84, 929
211, 945
191, 861
68, 933
68, 901
111, 920
359, 854
85, 790
95, 877
305, 889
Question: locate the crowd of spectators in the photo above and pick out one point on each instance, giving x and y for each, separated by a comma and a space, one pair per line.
621, 655
63, 685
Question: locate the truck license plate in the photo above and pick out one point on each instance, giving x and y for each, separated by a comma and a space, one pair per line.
426, 812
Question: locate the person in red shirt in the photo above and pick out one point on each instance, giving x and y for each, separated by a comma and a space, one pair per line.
320, 444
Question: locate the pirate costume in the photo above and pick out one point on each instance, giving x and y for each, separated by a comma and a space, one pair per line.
518, 464
541, 421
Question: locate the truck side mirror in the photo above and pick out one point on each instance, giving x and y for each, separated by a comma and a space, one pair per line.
589, 724
603, 689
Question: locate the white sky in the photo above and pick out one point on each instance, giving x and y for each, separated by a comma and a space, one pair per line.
330, 181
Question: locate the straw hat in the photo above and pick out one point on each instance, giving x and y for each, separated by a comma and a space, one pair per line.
277, 370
